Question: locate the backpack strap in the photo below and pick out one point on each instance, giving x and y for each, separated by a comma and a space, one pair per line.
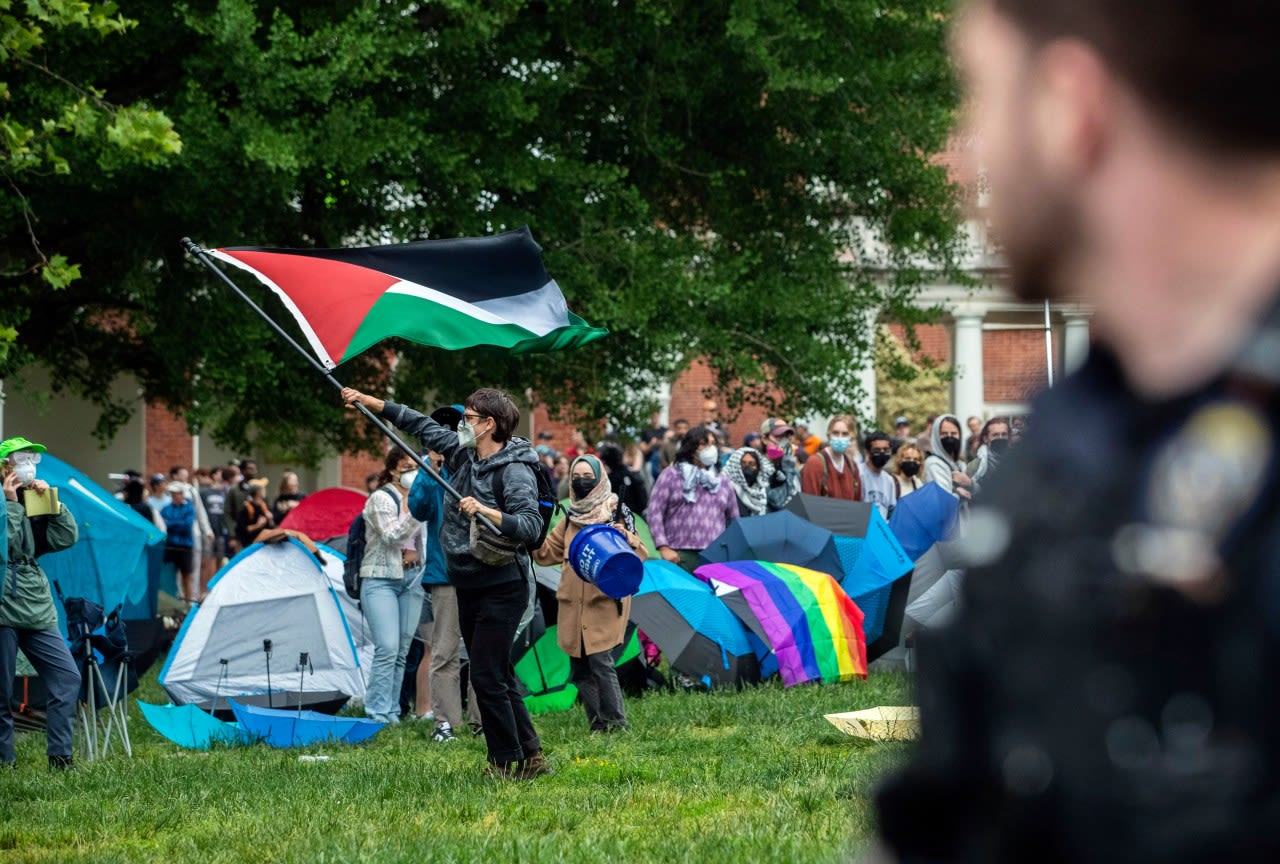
826, 466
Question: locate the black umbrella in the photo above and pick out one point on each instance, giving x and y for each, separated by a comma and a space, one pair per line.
782, 538
693, 627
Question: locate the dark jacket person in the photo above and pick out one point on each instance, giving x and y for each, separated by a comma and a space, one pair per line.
493, 594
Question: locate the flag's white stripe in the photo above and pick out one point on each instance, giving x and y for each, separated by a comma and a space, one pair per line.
316, 345
539, 311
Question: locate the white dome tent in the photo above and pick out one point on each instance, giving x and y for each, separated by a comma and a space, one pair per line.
283, 595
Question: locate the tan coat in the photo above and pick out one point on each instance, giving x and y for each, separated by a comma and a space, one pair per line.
588, 618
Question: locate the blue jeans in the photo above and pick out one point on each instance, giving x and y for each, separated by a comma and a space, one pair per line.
391, 611
48, 653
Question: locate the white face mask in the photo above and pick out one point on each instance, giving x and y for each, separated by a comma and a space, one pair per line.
407, 478
708, 455
26, 472
466, 435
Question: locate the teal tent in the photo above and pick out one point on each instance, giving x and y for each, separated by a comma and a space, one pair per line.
119, 556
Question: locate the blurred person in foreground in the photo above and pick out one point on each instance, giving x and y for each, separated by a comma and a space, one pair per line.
1108, 691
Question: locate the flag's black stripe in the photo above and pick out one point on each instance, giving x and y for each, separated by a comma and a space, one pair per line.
470, 268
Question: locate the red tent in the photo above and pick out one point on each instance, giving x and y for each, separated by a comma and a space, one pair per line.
325, 514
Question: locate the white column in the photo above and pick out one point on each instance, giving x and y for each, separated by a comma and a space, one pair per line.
967, 360
664, 404
867, 376
1075, 341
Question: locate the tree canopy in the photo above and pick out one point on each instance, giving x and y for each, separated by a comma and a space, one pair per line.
692, 170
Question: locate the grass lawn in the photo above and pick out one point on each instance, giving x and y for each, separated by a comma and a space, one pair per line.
752, 777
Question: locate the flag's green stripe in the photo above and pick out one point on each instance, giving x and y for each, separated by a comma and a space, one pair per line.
429, 323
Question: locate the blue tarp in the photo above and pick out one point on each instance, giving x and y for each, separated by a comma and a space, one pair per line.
118, 558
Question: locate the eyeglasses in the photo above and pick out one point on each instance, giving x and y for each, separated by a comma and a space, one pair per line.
472, 417
881, 452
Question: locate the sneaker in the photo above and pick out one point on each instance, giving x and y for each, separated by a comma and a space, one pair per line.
444, 732
61, 763
430, 715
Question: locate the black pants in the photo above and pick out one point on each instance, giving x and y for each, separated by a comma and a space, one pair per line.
597, 683
489, 618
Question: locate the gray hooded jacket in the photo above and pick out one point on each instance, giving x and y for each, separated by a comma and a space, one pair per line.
474, 477
938, 465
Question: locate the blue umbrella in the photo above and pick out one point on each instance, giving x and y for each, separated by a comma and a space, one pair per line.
189, 727
294, 728
693, 627
112, 564
781, 537
924, 517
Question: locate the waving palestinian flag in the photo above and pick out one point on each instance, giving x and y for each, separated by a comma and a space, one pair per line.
447, 293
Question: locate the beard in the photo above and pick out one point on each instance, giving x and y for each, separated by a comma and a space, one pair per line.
1038, 226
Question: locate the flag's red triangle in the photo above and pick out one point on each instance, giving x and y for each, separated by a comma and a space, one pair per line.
332, 297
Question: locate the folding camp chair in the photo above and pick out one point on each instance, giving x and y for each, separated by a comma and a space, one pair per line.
101, 650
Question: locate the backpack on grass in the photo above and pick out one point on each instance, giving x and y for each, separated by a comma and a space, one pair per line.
355, 549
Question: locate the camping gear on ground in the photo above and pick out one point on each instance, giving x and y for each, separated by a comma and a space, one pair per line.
118, 559
276, 597
803, 616
325, 514
191, 727
927, 516
101, 652
285, 728
884, 723
781, 536
544, 671
600, 554
877, 568
700, 636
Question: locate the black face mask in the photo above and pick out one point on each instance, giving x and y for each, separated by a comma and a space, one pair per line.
582, 487
998, 446
952, 446
909, 469
879, 459
750, 475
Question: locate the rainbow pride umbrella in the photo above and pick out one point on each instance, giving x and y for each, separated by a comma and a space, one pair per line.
804, 617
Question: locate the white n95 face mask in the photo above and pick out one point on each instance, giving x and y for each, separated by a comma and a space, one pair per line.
407, 478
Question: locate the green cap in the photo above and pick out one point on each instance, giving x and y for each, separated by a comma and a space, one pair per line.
13, 445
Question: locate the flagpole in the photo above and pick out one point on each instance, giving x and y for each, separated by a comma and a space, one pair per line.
424, 464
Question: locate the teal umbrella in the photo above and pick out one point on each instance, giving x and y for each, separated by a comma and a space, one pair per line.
189, 727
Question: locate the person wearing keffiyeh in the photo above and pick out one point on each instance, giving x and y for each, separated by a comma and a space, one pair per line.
750, 480
590, 623
689, 506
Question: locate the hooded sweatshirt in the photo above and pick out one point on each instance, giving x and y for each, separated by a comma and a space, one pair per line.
938, 465
474, 477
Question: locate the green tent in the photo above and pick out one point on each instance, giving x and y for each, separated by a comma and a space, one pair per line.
544, 669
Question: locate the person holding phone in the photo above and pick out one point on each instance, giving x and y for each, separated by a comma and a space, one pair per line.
28, 618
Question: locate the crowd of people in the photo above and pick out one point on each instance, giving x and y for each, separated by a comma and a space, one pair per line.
208, 521
689, 482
